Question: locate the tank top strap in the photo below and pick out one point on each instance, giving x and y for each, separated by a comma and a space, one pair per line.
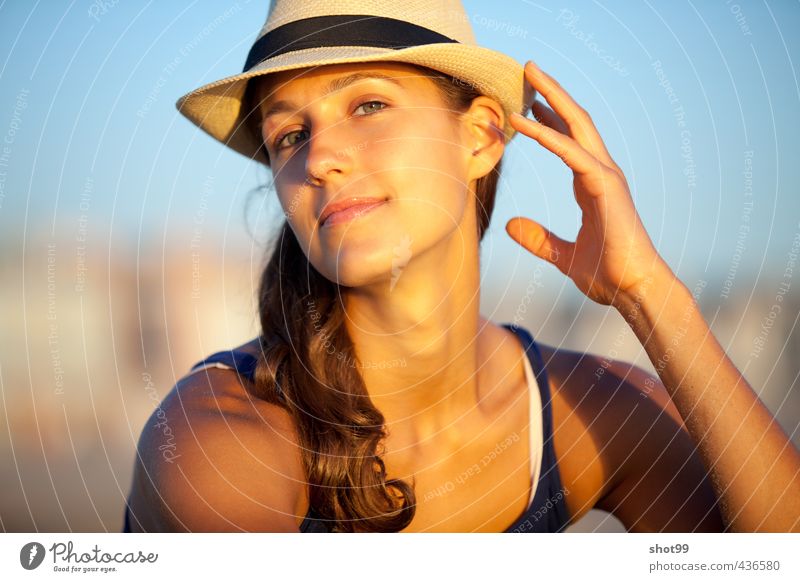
126, 520
548, 512
535, 356
314, 523
242, 362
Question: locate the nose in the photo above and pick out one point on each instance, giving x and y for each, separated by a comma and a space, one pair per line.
325, 156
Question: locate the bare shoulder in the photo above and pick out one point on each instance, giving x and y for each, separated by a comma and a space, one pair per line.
213, 458
622, 445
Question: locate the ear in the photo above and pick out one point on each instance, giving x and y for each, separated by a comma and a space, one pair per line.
484, 139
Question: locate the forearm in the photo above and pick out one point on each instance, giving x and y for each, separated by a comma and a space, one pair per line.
755, 469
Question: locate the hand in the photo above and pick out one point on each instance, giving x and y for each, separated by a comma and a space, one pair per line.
612, 254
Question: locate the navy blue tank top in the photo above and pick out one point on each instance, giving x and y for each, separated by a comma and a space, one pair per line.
548, 510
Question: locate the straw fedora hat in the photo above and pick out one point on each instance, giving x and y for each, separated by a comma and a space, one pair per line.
308, 33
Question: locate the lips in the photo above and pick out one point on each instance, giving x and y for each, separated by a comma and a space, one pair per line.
350, 207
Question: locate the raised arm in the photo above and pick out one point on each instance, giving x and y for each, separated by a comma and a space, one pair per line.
755, 469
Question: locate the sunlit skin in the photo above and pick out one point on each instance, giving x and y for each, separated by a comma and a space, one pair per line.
423, 161
431, 316
628, 442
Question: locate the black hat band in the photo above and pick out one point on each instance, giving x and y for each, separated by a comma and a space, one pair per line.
343, 30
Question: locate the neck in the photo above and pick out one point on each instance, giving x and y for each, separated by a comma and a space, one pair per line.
418, 341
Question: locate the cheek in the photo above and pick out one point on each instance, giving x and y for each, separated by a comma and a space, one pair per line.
417, 163
291, 203
426, 173
299, 210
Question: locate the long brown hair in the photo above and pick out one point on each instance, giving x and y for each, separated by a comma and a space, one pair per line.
308, 367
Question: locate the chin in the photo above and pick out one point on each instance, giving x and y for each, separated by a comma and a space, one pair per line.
357, 267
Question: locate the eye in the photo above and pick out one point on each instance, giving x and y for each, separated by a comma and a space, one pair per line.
279, 140
371, 103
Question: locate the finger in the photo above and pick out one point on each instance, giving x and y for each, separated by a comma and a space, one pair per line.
566, 148
541, 242
543, 114
580, 124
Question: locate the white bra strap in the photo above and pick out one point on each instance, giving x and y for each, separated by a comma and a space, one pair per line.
535, 428
211, 365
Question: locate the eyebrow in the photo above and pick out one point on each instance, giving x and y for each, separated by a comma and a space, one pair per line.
337, 84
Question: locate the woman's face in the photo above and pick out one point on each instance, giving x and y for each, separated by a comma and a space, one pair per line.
391, 139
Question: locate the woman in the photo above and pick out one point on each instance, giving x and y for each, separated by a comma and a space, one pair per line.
377, 398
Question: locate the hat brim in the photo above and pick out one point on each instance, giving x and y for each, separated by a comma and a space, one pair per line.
216, 107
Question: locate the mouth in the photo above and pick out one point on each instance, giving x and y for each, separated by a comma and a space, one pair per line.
349, 209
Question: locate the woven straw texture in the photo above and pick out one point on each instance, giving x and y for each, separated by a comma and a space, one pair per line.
216, 107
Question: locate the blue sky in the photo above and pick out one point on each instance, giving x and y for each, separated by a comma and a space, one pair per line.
88, 99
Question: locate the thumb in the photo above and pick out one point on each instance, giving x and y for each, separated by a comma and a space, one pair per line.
540, 241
